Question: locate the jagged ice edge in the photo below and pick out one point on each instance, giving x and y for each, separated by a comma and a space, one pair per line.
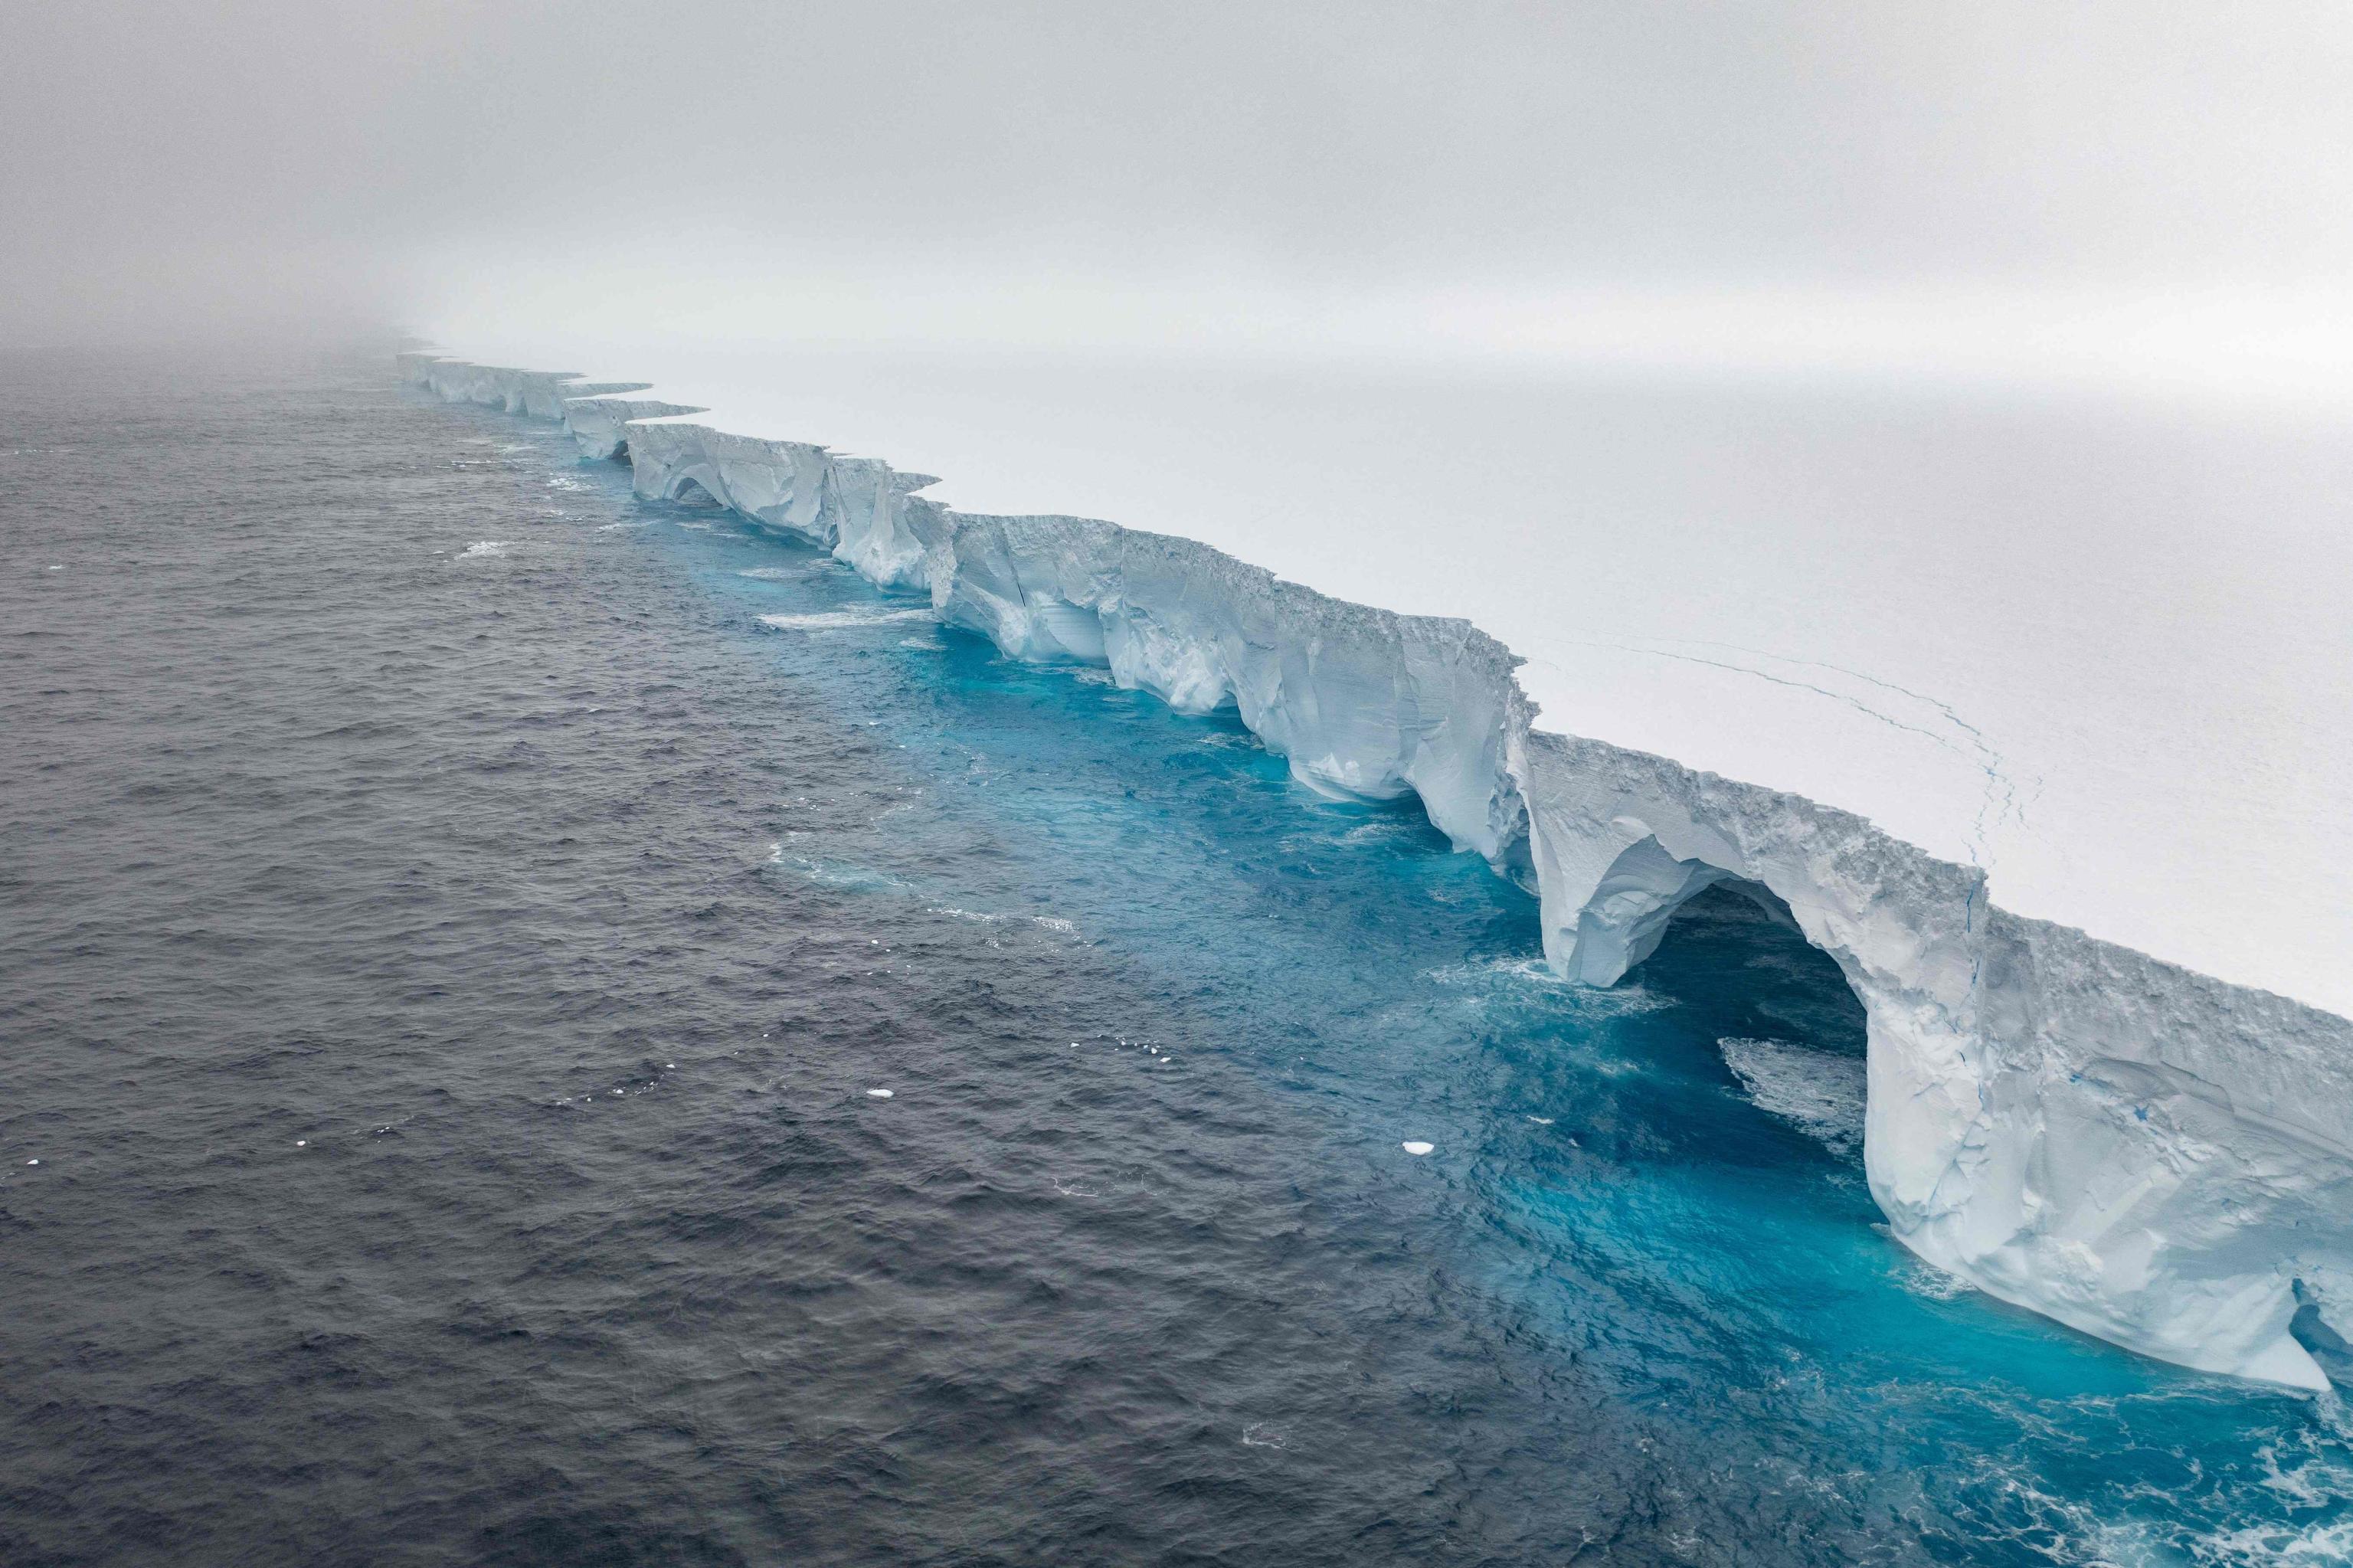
2137, 1150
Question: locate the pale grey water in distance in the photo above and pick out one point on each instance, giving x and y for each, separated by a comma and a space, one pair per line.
451, 944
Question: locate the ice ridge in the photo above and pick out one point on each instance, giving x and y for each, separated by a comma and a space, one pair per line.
2137, 1150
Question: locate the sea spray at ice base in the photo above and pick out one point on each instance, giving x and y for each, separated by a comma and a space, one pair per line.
2137, 1150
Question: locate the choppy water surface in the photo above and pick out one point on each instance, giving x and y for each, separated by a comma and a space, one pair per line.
460, 922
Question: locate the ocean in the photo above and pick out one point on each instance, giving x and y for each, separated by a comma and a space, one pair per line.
538, 1027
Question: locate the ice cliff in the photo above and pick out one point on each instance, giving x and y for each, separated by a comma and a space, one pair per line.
2131, 1148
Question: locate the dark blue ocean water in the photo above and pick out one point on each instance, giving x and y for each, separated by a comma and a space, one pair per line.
451, 944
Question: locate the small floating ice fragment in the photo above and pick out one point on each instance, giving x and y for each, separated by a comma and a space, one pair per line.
878, 1094
1416, 1147
301, 1143
843, 621
32, 1162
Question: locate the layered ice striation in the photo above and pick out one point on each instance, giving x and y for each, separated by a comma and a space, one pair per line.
2131, 1148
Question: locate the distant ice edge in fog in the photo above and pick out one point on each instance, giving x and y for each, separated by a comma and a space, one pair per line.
2133, 1148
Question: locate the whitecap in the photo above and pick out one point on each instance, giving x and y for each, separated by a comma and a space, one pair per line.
484, 548
843, 875
1054, 923
1265, 1435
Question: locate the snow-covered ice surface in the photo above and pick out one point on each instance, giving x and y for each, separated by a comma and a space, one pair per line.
1955, 679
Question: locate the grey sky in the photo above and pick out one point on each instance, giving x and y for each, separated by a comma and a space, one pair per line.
237, 162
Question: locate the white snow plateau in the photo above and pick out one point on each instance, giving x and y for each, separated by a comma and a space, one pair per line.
2122, 1141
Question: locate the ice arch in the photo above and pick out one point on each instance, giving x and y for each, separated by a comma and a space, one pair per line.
1628, 915
2132, 1149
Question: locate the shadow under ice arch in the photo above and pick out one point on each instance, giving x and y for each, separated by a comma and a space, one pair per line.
2143, 1152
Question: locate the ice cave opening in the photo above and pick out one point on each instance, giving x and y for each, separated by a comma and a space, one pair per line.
1735, 945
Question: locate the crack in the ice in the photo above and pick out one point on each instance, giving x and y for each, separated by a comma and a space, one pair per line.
1999, 799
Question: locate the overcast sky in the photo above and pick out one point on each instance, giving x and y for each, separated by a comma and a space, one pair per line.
1000, 171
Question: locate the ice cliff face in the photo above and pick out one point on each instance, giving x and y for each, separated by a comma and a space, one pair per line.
2135, 1149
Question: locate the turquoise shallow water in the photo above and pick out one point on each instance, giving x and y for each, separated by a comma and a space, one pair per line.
460, 914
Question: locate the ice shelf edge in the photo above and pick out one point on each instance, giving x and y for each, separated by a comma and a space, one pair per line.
2154, 1157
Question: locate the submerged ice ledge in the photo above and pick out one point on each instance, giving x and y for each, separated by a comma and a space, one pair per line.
2131, 1148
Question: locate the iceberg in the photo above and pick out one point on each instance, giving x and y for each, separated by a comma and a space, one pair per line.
2129, 1146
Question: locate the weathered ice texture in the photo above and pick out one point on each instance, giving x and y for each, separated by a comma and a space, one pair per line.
2133, 1148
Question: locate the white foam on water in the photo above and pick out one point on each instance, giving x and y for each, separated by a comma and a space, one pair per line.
1265, 1435
1416, 1147
835, 874
484, 547
842, 620
777, 573
1049, 922
1821, 1092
